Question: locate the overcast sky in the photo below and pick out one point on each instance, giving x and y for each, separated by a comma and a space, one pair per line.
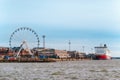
86, 23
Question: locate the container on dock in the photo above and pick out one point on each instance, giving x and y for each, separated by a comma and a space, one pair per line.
12, 59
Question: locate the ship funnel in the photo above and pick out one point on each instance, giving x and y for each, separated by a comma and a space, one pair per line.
105, 45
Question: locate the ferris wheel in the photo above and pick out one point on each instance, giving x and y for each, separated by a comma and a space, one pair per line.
23, 35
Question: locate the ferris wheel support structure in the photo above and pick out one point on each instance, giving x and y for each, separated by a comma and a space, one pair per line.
24, 43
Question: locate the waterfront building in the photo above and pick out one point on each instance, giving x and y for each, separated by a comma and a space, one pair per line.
52, 53
75, 54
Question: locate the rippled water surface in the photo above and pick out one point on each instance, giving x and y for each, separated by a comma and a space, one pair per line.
66, 70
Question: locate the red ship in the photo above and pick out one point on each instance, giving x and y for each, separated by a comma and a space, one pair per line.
102, 53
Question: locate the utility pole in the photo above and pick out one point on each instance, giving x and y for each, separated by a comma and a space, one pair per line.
43, 41
69, 45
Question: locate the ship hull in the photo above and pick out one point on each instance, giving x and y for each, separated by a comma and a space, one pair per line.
103, 57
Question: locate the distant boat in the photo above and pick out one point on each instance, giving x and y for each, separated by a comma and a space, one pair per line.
102, 53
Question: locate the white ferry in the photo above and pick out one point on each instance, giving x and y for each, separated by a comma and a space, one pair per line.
102, 52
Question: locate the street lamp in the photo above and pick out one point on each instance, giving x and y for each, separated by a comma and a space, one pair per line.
43, 41
69, 45
83, 48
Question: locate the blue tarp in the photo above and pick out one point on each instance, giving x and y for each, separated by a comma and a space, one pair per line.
6, 57
42, 57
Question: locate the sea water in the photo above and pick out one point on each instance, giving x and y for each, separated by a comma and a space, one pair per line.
64, 70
